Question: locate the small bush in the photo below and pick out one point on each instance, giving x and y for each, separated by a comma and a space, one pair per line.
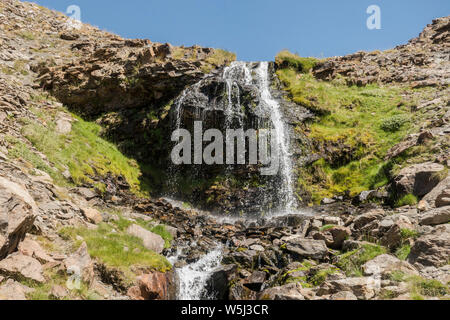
407, 200
394, 123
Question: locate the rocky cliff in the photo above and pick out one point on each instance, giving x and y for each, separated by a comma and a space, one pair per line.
85, 118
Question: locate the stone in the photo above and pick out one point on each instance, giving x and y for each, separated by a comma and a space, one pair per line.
391, 230
385, 264
343, 295
31, 248
418, 179
367, 217
150, 240
440, 195
13, 290
80, 265
292, 291
217, 285
58, 292
435, 217
255, 281
63, 126
172, 230
334, 237
431, 249
92, 215
363, 288
17, 214
306, 248
246, 258
154, 286
20, 266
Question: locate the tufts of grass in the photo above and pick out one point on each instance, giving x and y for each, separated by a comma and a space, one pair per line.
356, 126
352, 261
219, 58
286, 59
403, 251
117, 249
407, 200
83, 152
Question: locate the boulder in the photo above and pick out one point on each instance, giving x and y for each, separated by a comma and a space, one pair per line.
418, 179
431, 249
19, 266
292, 291
334, 237
256, 281
440, 195
92, 215
391, 230
385, 264
343, 295
81, 265
154, 286
362, 288
218, 284
17, 214
306, 248
436, 216
245, 258
150, 240
367, 217
31, 248
13, 290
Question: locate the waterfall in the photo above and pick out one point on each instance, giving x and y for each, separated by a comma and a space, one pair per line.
286, 190
193, 277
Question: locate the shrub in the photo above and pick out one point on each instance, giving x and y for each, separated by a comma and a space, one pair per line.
394, 123
407, 200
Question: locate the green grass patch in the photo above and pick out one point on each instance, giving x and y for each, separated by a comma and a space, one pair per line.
83, 152
286, 59
407, 200
117, 249
352, 261
356, 126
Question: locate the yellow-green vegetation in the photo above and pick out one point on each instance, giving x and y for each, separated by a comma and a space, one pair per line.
356, 125
420, 287
27, 35
352, 261
407, 200
402, 252
111, 245
286, 59
82, 151
219, 58
42, 291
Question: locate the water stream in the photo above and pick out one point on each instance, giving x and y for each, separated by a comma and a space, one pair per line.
193, 277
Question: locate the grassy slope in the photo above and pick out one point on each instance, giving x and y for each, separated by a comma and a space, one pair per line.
367, 120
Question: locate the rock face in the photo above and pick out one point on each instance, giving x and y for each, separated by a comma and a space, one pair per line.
13, 290
306, 248
436, 216
418, 62
385, 264
418, 179
439, 196
432, 249
22, 267
119, 74
151, 240
155, 286
17, 213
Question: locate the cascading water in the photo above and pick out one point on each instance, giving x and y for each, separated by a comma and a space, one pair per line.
239, 75
193, 277
286, 190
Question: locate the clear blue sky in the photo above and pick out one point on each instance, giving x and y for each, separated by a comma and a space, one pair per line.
258, 29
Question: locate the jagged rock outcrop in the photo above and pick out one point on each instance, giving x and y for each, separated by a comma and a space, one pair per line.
424, 61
